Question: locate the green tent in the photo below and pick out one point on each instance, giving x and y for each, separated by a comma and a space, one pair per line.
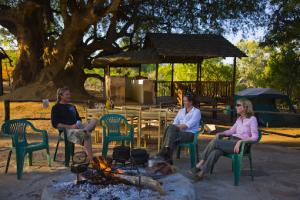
267, 99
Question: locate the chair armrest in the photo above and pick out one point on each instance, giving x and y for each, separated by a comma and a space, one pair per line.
44, 133
221, 137
243, 144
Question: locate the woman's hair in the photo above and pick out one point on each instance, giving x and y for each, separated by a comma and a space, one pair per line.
60, 92
247, 106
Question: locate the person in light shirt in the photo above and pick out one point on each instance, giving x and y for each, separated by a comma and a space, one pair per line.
244, 129
183, 129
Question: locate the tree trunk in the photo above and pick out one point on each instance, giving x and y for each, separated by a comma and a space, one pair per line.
30, 36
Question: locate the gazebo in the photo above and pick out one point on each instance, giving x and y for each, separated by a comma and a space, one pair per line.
180, 48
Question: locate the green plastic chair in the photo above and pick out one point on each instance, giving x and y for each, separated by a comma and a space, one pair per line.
111, 124
16, 129
69, 146
236, 159
192, 146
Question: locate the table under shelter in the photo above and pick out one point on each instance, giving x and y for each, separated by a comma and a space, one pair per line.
161, 48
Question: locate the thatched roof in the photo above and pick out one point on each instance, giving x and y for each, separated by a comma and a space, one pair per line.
191, 45
129, 59
174, 48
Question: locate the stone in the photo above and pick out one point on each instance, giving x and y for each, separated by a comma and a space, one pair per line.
176, 186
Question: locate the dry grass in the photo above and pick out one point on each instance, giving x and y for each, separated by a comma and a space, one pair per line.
35, 110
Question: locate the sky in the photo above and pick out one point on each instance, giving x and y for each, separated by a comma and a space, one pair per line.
256, 35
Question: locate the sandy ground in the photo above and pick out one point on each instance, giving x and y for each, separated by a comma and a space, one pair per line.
276, 163
277, 171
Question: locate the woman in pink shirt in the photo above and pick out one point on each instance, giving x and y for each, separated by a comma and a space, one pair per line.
244, 129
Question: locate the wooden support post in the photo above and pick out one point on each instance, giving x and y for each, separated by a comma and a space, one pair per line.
156, 79
6, 110
233, 88
1, 79
140, 69
198, 66
106, 73
172, 81
198, 84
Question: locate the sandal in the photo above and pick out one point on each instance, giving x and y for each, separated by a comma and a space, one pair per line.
199, 176
194, 171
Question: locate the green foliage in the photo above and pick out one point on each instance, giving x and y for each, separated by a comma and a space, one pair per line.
215, 70
266, 66
251, 68
7, 40
284, 23
185, 72
98, 71
283, 71
122, 71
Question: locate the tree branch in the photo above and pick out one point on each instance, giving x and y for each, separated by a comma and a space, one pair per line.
8, 18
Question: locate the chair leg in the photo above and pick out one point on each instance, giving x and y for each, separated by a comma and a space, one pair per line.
237, 170
20, 156
232, 165
48, 157
30, 159
105, 148
178, 152
197, 153
251, 167
54, 157
193, 156
8, 161
212, 169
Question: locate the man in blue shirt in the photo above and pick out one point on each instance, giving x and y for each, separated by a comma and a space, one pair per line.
183, 129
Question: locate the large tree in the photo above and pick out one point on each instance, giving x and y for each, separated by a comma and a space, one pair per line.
284, 23
57, 39
283, 71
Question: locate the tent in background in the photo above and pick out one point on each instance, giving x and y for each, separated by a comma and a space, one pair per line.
267, 99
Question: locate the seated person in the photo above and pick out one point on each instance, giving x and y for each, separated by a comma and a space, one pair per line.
65, 115
183, 129
244, 129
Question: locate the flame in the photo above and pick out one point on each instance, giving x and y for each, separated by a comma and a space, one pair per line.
103, 165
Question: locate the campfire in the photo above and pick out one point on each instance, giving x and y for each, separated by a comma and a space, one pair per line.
106, 180
103, 172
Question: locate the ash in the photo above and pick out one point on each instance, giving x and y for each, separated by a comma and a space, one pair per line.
101, 192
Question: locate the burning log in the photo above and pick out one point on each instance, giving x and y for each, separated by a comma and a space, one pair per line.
108, 174
163, 168
145, 181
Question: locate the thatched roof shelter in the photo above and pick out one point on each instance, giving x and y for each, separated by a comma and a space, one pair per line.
191, 47
174, 48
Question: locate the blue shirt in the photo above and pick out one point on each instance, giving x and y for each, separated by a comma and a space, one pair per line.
190, 119
64, 114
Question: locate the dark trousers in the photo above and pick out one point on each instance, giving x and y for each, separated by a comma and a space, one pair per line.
215, 149
172, 137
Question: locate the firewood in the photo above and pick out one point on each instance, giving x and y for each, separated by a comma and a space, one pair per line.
143, 181
163, 168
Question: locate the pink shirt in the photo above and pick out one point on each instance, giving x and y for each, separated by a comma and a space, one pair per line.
244, 128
